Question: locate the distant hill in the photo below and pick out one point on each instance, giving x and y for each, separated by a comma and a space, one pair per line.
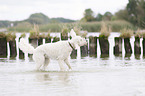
62, 20
36, 18
4, 24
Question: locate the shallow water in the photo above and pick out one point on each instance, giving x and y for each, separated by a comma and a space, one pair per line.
112, 76
89, 77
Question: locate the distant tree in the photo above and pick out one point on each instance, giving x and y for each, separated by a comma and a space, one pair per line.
141, 13
99, 17
122, 15
89, 15
134, 13
107, 16
132, 7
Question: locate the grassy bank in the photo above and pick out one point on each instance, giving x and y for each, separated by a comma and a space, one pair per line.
116, 26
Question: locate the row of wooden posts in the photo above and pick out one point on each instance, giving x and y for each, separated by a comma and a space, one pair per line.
90, 49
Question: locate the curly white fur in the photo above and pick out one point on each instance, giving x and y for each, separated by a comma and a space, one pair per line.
60, 51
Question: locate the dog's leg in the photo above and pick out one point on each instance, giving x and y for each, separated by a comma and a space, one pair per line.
39, 60
61, 64
67, 63
47, 60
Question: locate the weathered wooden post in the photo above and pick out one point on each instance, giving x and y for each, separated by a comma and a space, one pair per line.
84, 49
33, 38
126, 34
55, 39
143, 44
127, 45
103, 40
143, 41
34, 35
21, 54
40, 39
64, 34
118, 46
12, 42
3, 45
137, 48
104, 46
48, 38
93, 46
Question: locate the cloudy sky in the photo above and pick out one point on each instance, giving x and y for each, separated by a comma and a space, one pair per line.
71, 9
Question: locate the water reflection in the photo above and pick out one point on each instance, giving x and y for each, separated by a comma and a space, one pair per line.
43, 77
89, 74
53, 76
137, 56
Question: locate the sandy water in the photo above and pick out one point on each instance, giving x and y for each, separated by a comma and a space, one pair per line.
89, 77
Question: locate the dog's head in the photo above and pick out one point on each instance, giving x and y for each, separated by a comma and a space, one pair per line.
77, 40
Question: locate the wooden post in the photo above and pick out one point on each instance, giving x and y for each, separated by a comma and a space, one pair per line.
33, 42
3, 47
13, 52
41, 37
47, 40
104, 46
118, 46
64, 36
12, 43
84, 51
93, 46
137, 48
127, 45
40, 41
55, 39
21, 54
143, 44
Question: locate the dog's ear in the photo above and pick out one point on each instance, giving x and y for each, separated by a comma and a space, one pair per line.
72, 33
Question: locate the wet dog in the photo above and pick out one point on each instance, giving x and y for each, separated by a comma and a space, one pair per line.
60, 51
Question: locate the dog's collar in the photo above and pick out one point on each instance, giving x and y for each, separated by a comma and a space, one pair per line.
71, 45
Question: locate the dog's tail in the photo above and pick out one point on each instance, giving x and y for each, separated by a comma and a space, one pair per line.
25, 47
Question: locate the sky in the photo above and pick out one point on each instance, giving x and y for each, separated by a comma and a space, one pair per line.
71, 9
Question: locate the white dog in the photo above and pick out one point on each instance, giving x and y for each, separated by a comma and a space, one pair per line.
60, 51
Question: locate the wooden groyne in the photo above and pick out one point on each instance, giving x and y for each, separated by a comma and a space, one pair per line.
89, 50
